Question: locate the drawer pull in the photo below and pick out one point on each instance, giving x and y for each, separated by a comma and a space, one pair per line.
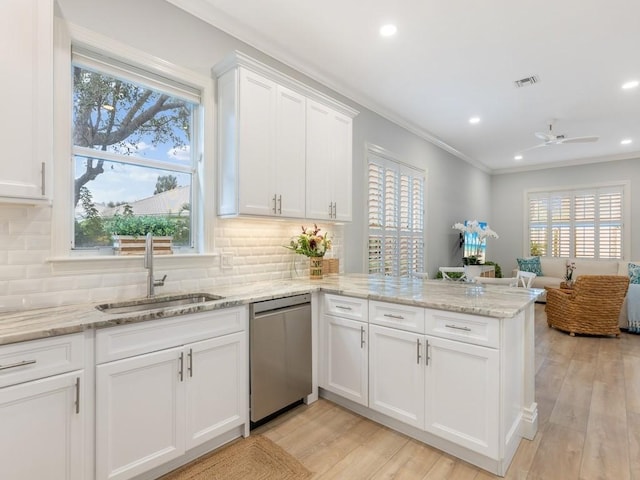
391, 315
361, 337
17, 364
342, 307
190, 367
466, 329
181, 371
426, 352
418, 356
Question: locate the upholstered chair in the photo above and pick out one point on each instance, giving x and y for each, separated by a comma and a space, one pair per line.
592, 306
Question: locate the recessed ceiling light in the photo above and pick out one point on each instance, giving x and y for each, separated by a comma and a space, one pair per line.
626, 141
631, 84
388, 30
474, 120
518, 157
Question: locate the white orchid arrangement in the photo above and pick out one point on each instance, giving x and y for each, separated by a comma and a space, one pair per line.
474, 227
479, 233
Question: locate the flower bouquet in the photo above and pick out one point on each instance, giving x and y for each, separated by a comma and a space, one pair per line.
311, 243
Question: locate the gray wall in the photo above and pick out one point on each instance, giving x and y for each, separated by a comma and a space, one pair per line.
455, 190
507, 202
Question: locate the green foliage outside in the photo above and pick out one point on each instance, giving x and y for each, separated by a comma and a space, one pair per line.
536, 249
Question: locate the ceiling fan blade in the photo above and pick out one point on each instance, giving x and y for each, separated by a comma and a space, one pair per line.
579, 139
547, 137
534, 147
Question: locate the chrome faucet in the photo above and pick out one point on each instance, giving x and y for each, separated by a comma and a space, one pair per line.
148, 264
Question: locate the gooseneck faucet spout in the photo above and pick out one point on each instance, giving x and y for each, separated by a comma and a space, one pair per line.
148, 264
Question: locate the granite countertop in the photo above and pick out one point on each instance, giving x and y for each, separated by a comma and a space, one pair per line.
487, 300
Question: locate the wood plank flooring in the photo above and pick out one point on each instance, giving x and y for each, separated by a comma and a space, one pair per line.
588, 394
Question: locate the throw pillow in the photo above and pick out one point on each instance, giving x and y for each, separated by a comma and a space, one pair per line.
634, 273
530, 265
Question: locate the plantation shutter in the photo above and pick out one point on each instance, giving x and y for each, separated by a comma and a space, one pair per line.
580, 223
396, 218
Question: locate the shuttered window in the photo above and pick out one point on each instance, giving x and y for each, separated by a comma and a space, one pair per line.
580, 223
396, 218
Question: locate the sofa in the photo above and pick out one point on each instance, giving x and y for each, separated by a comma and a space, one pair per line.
554, 270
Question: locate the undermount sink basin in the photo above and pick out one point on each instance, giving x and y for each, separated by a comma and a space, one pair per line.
154, 303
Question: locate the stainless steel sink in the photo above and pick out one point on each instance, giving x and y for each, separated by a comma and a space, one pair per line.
155, 303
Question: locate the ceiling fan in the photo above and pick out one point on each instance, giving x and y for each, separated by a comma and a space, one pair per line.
551, 138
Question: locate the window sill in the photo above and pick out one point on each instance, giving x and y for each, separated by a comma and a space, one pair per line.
116, 263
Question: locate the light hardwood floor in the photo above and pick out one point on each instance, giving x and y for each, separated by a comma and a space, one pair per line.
588, 394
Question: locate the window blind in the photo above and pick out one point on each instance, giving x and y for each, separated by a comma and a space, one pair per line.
396, 218
580, 223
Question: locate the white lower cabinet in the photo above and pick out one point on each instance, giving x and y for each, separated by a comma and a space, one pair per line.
153, 407
462, 394
396, 374
347, 358
42, 420
445, 387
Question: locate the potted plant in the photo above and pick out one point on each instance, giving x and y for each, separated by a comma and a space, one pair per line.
129, 231
311, 243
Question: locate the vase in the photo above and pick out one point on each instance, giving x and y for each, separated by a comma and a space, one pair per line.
315, 268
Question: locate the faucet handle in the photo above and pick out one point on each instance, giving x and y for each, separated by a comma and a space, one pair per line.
160, 283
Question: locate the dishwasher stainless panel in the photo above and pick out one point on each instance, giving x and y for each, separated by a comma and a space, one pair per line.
280, 358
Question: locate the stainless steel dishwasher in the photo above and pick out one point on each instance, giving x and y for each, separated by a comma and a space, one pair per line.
280, 354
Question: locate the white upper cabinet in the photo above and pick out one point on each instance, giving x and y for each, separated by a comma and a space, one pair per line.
26, 136
272, 162
329, 159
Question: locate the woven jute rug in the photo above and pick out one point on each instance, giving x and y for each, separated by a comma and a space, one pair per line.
252, 458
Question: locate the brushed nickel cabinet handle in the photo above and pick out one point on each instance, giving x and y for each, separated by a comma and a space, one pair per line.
466, 329
330, 209
418, 356
274, 204
335, 210
77, 395
426, 353
391, 315
361, 337
190, 367
181, 371
280, 204
43, 180
17, 364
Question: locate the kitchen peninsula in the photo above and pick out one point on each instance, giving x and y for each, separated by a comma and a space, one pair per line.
450, 364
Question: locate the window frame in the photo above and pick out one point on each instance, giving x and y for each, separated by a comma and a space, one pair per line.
382, 157
572, 192
203, 214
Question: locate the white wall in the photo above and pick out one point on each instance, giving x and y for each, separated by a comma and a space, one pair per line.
455, 189
507, 202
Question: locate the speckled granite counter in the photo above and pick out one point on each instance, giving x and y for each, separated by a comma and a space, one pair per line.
488, 300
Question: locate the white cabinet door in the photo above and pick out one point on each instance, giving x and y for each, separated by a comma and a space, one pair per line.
289, 161
216, 384
462, 393
45, 421
139, 413
26, 136
256, 139
346, 358
329, 159
396, 374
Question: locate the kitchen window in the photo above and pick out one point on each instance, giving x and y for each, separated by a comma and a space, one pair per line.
396, 217
135, 150
579, 222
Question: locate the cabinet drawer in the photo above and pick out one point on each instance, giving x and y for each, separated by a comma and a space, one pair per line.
404, 317
474, 329
346, 307
115, 343
22, 362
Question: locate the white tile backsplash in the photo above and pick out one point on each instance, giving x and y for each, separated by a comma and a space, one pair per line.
29, 280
